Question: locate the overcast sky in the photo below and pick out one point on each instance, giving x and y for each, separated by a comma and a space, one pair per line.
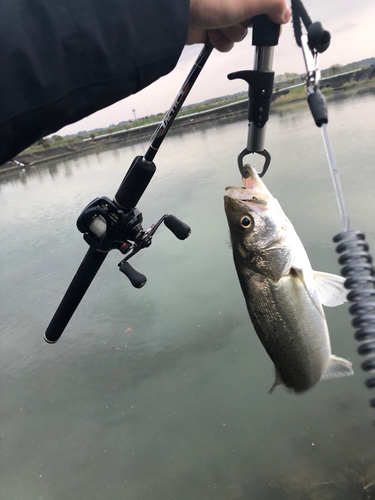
352, 27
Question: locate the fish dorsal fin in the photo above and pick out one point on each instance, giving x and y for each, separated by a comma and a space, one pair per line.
330, 288
313, 299
337, 367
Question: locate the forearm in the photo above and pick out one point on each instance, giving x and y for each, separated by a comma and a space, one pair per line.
61, 61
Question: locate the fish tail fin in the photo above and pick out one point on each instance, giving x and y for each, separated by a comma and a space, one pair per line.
337, 368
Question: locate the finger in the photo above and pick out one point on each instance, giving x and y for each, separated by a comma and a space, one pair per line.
280, 17
248, 23
196, 35
223, 13
220, 41
277, 10
235, 33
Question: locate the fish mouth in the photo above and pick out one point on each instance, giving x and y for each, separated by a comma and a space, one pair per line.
252, 192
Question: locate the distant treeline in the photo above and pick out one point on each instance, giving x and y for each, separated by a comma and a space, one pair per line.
335, 69
280, 81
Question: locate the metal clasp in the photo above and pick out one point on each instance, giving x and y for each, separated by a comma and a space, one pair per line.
264, 153
311, 62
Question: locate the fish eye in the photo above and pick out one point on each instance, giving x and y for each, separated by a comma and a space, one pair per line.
245, 222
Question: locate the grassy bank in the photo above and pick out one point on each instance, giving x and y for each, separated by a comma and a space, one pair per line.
297, 95
287, 98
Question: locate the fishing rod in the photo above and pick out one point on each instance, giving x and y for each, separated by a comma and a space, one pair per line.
117, 224
355, 257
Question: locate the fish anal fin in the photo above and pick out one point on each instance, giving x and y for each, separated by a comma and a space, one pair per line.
337, 368
330, 288
277, 382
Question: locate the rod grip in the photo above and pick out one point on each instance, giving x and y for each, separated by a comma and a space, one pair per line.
74, 294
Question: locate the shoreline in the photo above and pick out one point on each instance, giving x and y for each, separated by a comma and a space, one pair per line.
357, 83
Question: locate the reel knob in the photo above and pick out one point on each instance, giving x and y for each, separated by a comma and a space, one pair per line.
178, 228
138, 280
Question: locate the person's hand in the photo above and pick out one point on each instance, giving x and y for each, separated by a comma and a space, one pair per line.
221, 20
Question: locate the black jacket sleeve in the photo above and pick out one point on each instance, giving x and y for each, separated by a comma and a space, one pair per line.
61, 60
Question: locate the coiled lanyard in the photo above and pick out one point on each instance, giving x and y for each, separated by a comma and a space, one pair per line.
355, 258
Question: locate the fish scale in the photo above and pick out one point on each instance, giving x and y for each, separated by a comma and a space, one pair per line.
284, 296
284, 331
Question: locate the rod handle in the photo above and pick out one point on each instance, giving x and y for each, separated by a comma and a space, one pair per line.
74, 294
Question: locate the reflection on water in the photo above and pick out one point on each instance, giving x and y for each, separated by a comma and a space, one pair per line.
162, 392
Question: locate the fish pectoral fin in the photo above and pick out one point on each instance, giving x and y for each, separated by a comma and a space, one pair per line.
313, 299
337, 368
330, 288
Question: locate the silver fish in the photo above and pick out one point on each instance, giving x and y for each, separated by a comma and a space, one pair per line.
284, 296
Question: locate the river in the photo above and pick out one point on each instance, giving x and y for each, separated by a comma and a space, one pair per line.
162, 393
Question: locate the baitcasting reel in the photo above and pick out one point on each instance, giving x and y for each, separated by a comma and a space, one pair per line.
106, 226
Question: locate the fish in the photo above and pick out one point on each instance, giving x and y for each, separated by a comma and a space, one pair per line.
284, 296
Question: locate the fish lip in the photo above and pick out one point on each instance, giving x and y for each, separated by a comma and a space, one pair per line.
257, 195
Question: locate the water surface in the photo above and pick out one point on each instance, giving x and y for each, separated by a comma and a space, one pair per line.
162, 393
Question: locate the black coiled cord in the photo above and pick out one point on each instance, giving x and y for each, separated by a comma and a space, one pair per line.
355, 257
360, 280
